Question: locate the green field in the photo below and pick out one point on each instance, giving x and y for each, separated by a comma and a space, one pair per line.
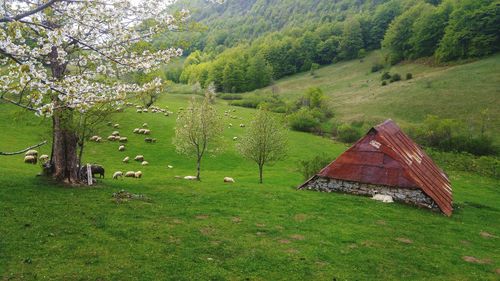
458, 91
209, 230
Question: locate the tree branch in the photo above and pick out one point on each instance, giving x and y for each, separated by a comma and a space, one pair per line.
29, 13
22, 151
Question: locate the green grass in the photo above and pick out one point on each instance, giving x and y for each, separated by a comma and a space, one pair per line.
459, 91
214, 231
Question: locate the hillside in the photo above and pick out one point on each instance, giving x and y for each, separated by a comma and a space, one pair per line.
459, 91
209, 230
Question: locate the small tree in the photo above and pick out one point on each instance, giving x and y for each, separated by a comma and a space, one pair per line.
197, 127
265, 141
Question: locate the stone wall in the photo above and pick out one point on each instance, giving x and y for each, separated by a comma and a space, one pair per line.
410, 196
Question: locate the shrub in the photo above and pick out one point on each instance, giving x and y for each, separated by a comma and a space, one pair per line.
311, 167
304, 120
386, 76
377, 66
384, 83
395, 77
347, 133
409, 76
461, 161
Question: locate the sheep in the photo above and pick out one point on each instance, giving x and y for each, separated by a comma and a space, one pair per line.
123, 139
138, 174
130, 174
115, 133
94, 138
44, 158
136, 130
99, 139
116, 126
138, 107
147, 132
228, 179
145, 163
126, 159
166, 114
31, 152
141, 131
94, 169
110, 123
191, 178
111, 138
242, 125
170, 166
139, 158
121, 148
117, 175
139, 110
30, 159
235, 138
145, 110
145, 125
150, 140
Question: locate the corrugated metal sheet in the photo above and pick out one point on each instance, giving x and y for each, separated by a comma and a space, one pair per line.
386, 156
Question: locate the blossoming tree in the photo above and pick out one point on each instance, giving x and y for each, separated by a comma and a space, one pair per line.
60, 57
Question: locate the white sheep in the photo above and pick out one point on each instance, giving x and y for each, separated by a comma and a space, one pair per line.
121, 148
44, 158
117, 175
116, 126
138, 107
191, 178
138, 174
31, 152
115, 133
126, 159
136, 130
170, 166
147, 132
235, 138
145, 110
145, 163
111, 138
145, 125
139, 158
130, 174
228, 179
30, 159
242, 125
123, 139
141, 131
99, 139
139, 110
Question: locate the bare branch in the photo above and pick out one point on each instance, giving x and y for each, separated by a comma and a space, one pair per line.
22, 151
29, 13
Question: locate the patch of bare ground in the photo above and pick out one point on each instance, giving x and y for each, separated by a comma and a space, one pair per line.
476, 260
300, 217
487, 234
284, 241
236, 219
404, 240
202, 217
292, 251
297, 237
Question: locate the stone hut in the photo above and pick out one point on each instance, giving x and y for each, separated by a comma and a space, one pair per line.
387, 162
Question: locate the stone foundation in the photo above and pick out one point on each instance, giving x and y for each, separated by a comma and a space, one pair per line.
410, 196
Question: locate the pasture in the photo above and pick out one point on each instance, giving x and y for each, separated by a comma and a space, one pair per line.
209, 230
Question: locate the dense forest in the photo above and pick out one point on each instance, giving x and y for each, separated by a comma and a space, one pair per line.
286, 37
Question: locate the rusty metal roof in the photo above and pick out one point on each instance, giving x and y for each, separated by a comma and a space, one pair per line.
387, 156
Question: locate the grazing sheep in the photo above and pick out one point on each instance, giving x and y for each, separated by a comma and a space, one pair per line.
139, 158
136, 130
228, 179
145, 110
117, 175
138, 174
111, 138
150, 140
110, 123
235, 138
31, 152
138, 107
99, 139
147, 132
145, 125
242, 125
139, 110
30, 159
145, 163
44, 158
130, 174
121, 148
94, 169
115, 133
116, 126
170, 166
126, 159
141, 131
123, 139
94, 138
166, 114
191, 178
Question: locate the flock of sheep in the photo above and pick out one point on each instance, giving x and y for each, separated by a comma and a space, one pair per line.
31, 157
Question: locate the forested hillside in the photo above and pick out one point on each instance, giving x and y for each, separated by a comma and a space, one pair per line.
280, 38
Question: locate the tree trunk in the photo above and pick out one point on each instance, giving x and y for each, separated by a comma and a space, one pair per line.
260, 173
64, 155
198, 167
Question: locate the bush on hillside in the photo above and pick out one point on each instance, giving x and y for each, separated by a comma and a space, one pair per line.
304, 121
377, 66
347, 133
230, 96
311, 167
488, 166
395, 77
409, 76
384, 83
386, 76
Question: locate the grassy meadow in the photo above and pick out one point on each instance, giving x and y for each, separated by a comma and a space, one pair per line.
458, 91
209, 230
